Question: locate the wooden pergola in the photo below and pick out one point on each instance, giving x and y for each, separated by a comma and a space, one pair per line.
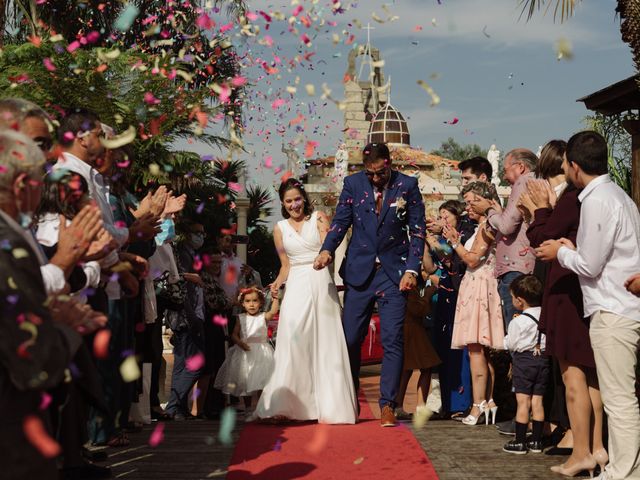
617, 98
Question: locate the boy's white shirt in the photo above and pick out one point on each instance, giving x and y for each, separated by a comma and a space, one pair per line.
522, 335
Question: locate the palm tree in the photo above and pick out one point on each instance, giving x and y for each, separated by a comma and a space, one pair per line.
629, 11
259, 209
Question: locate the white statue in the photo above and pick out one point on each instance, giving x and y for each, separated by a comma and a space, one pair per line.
493, 155
341, 166
293, 159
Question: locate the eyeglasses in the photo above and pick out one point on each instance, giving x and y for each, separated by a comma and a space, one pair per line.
378, 173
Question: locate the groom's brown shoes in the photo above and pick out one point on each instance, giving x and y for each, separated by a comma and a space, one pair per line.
387, 417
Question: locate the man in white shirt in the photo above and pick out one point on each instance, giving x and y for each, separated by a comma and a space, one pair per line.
607, 255
80, 135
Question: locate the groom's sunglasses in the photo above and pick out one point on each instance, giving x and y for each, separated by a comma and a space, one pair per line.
378, 173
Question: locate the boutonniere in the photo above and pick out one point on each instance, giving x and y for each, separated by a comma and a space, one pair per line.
400, 205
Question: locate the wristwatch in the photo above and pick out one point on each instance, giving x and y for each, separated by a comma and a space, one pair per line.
454, 245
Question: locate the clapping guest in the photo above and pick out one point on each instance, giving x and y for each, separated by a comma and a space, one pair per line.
478, 322
610, 216
513, 256
562, 319
453, 372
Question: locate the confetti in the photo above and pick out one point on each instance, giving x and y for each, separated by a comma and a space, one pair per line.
126, 17
319, 441
421, 416
101, 344
129, 370
125, 138
564, 49
435, 99
358, 461
157, 436
38, 437
227, 423
220, 320
195, 362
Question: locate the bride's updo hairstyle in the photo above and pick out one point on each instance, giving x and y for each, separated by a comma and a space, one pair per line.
291, 184
482, 189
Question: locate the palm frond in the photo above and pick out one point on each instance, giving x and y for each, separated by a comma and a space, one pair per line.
564, 7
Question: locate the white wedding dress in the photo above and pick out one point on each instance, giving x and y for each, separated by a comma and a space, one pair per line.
312, 378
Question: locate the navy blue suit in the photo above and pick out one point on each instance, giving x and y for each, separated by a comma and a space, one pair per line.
396, 239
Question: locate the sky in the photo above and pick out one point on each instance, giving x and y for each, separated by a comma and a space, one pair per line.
497, 74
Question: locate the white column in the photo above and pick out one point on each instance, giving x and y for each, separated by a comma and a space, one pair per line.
242, 208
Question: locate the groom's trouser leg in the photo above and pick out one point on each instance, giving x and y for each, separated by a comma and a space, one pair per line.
391, 306
358, 307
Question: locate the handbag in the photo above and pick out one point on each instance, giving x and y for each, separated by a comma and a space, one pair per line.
171, 295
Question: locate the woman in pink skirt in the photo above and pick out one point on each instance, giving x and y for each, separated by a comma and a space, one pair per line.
478, 321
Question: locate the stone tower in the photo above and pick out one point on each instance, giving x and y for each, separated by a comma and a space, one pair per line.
364, 96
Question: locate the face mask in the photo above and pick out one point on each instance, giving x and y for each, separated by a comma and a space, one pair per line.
197, 240
167, 233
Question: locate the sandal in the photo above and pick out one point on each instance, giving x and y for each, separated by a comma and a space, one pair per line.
119, 440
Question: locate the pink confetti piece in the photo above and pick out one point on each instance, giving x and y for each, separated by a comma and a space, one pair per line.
220, 320
251, 16
195, 363
150, 99
205, 22
277, 103
453, 122
268, 162
157, 436
48, 64
305, 39
236, 187
226, 28
73, 46
45, 401
298, 10
239, 81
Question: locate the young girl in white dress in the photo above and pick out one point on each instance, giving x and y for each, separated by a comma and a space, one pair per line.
249, 363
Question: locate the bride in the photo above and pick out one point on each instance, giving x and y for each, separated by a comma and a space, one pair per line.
312, 378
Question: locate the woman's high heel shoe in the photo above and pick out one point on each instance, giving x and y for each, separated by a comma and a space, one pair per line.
589, 465
602, 458
473, 420
493, 410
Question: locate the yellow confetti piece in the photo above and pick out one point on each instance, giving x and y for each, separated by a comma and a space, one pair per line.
292, 90
435, 99
129, 369
19, 253
564, 49
154, 169
105, 56
358, 461
311, 89
125, 138
376, 17
421, 416
12, 283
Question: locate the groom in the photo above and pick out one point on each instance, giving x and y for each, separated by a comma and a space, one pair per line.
385, 209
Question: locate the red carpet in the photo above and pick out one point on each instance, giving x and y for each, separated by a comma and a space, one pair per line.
311, 451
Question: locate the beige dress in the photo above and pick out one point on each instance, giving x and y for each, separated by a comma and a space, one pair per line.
478, 311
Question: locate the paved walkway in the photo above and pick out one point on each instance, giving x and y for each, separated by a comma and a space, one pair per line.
191, 450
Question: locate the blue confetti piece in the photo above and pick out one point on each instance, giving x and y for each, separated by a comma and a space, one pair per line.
127, 17
227, 422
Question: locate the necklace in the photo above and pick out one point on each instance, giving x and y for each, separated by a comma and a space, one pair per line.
297, 226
